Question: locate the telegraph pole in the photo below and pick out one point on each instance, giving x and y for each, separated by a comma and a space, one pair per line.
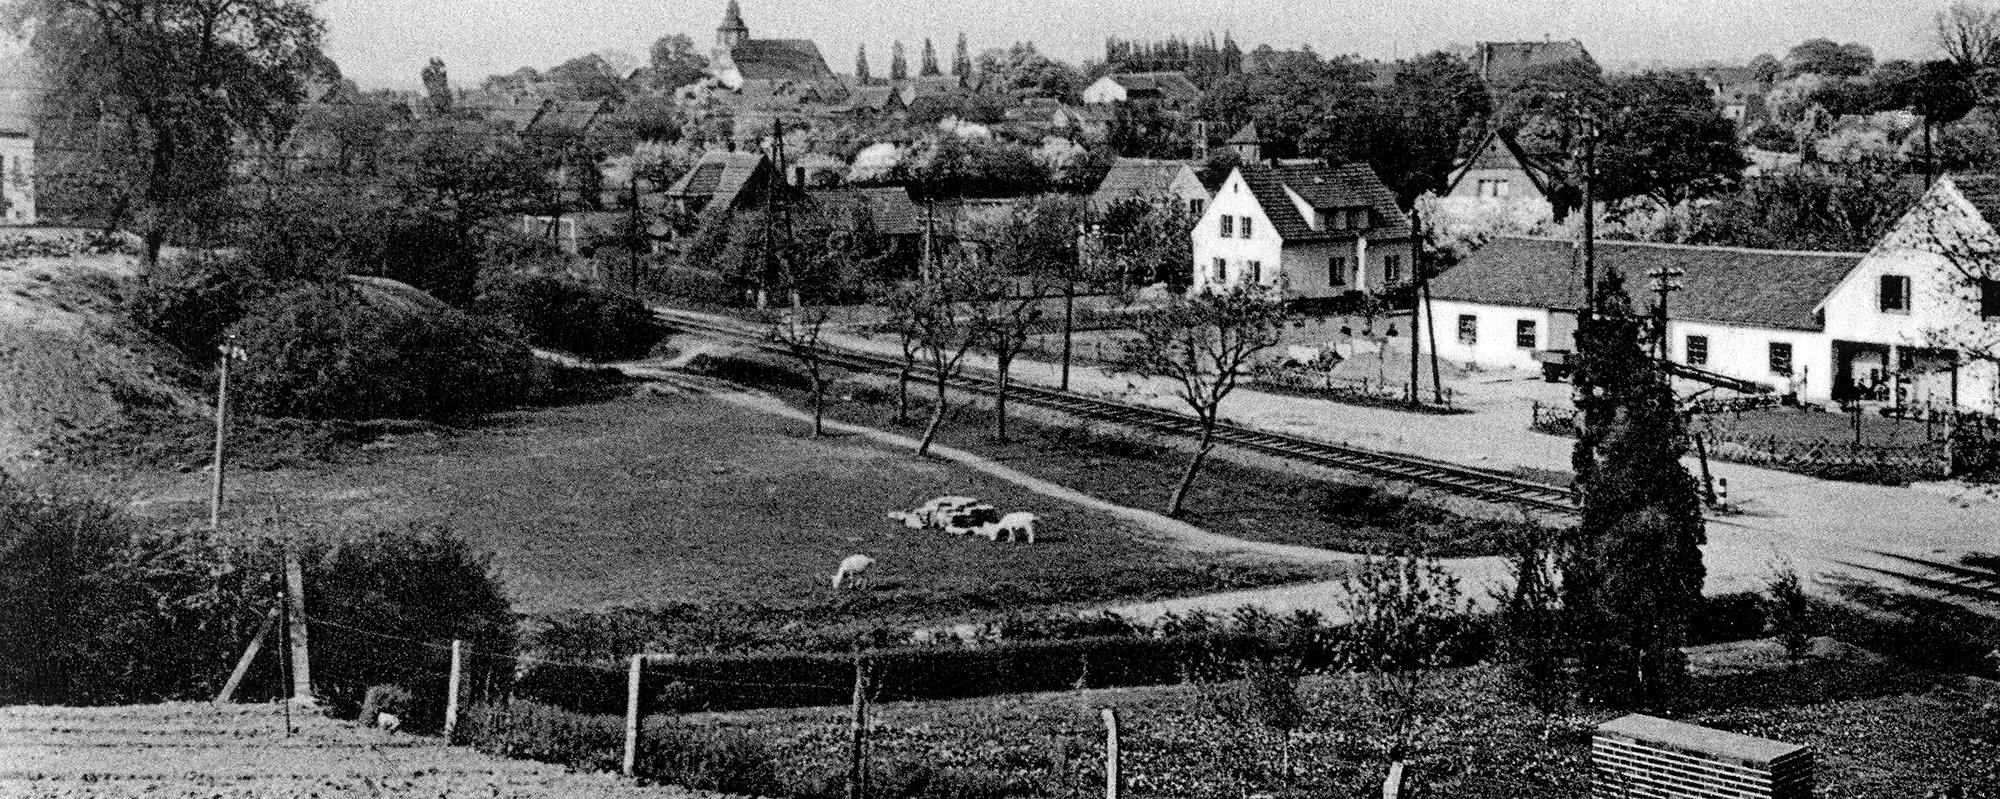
1416, 309
230, 352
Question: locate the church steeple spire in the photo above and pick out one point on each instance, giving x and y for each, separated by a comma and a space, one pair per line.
732, 31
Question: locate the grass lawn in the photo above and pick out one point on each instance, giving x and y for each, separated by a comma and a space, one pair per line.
1887, 734
1300, 506
651, 500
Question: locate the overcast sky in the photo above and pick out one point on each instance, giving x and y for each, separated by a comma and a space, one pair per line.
384, 43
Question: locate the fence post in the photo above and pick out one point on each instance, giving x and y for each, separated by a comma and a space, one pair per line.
857, 758
632, 715
249, 654
1110, 752
295, 597
451, 688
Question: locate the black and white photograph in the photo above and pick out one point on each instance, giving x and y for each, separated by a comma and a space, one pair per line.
940, 399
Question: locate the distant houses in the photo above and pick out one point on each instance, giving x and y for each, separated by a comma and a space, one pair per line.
1504, 65
1168, 89
1914, 321
1502, 175
1154, 182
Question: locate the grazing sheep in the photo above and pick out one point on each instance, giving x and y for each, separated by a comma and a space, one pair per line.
854, 566
388, 721
907, 518
1016, 526
933, 512
969, 519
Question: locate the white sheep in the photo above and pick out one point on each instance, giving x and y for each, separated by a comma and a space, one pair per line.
855, 566
907, 518
969, 519
1016, 526
388, 721
933, 513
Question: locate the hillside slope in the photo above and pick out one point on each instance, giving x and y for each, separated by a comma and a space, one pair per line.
231, 751
69, 358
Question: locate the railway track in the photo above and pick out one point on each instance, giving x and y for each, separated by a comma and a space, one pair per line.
1426, 472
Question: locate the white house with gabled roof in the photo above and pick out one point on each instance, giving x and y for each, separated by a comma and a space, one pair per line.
1314, 229
1915, 321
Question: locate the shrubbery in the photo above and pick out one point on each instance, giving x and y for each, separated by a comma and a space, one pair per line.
331, 351
572, 316
188, 302
100, 609
702, 758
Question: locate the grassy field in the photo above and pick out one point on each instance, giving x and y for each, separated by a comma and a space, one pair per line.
1878, 731
1245, 498
653, 500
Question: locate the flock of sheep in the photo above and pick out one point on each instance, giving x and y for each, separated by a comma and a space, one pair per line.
955, 515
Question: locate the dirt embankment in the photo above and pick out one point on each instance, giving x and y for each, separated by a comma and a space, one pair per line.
69, 358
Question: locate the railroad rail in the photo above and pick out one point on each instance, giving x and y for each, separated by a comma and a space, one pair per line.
1427, 472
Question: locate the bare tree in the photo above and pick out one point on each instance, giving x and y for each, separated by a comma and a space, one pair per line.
1405, 612
1006, 318
939, 325
1968, 33
799, 330
1205, 343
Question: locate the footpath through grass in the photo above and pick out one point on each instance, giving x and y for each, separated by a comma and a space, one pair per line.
1138, 469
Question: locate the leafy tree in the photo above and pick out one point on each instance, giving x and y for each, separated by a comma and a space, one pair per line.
1144, 130
1529, 627
1408, 611
454, 177
675, 62
1292, 95
861, 65
1435, 103
929, 67
940, 319
157, 93
1824, 57
1664, 139
899, 65
1204, 344
1020, 68
586, 77
961, 60
1843, 206
1632, 570
1031, 252
1767, 68
437, 86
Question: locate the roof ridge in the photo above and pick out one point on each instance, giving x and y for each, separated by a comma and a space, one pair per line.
1666, 245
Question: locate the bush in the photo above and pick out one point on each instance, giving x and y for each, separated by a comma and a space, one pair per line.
698, 757
572, 316
1722, 618
188, 302
389, 602
342, 352
706, 759
100, 610
698, 285
532, 731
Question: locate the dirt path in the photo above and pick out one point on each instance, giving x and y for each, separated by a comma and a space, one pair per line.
1477, 574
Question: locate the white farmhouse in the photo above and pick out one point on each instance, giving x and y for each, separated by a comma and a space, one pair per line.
1313, 229
1171, 89
1500, 176
1915, 321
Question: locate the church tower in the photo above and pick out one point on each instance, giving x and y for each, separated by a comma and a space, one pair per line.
732, 31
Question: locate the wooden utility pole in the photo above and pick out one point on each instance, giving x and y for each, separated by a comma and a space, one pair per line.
452, 688
638, 233
1111, 780
857, 754
295, 600
230, 352
632, 716
1416, 265
1589, 217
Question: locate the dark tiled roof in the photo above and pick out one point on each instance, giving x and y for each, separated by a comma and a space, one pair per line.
1726, 285
779, 59
1140, 178
1983, 191
718, 175
1246, 135
1167, 84
575, 115
1502, 63
888, 207
1324, 188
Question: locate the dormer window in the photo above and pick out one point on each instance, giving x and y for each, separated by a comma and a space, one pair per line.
1344, 219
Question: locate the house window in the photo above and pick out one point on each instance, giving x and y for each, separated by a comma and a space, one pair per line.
1228, 226
1221, 274
1781, 359
1895, 294
1493, 189
1195, 206
1697, 350
1392, 269
1989, 298
1256, 269
1468, 329
1358, 219
1246, 227
1336, 271
1524, 334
